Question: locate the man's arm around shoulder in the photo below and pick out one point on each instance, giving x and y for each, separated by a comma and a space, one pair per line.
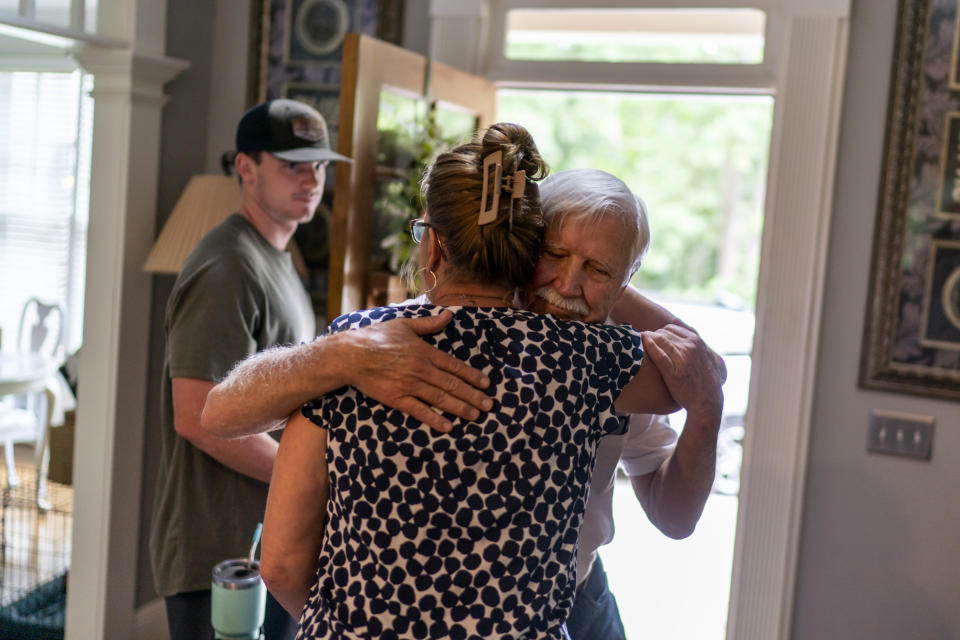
252, 456
673, 496
388, 362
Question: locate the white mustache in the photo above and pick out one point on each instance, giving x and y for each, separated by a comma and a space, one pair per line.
573, 305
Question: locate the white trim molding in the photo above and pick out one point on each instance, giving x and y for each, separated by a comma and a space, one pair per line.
635, 76
128, 100
125, 73
56, 35
789, 306
628, 75
55, 63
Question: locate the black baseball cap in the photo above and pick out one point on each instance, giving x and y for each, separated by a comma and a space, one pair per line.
287, 129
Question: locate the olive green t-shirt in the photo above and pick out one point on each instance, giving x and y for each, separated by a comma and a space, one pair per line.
236, 295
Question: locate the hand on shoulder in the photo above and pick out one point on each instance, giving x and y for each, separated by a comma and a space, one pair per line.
390, 363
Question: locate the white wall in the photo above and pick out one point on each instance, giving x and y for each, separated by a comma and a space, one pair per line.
880, 543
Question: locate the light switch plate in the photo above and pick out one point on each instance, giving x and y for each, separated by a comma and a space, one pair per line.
901, 434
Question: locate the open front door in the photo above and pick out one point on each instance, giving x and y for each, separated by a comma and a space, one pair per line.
386, 94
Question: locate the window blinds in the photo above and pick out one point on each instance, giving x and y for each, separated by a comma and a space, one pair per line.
45, 129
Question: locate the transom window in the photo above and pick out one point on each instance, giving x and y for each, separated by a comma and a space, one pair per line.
713, 35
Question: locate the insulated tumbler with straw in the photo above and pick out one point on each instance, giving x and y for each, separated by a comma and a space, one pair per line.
238, 597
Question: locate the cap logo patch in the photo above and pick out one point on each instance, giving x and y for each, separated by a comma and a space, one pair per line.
309, 128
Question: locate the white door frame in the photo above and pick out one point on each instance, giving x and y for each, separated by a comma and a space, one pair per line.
804, 65
789, 310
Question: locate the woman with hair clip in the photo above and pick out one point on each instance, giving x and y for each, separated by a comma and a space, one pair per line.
470, 533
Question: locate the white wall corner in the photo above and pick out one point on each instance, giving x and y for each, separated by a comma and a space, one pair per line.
458, 34
151, 27
143, 23
117, 18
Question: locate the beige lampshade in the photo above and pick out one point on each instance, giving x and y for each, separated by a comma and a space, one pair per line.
205, 203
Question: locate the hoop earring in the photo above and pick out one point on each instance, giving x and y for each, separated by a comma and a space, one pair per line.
421, 275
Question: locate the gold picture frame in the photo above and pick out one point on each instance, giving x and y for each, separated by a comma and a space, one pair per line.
911, 344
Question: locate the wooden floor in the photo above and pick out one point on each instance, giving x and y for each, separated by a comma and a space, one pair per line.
34, 542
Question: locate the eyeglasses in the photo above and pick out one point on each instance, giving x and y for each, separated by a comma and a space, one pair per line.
417, 227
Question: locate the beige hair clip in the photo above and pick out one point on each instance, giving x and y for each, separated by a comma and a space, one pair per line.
517, 184
490, 195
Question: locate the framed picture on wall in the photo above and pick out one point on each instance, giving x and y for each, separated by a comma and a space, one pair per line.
315, 30
301, 41
941, 310
911, 340
948, 185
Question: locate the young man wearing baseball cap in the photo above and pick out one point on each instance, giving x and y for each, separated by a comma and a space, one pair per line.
236, 294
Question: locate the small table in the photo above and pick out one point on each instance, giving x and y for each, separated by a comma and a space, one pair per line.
31, 374
23, 373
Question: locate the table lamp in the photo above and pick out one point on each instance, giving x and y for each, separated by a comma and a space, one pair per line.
206, 201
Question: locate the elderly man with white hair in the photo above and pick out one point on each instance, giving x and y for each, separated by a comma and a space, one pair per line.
596, 234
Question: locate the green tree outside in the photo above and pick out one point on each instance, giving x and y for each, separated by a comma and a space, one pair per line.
698, 161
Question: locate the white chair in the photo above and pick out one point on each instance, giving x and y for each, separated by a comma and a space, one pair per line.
27, 418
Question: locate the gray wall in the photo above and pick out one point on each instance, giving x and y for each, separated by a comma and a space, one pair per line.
193, 135
880, 544
416, 26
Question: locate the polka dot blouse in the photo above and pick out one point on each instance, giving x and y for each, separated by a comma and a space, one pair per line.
470, 534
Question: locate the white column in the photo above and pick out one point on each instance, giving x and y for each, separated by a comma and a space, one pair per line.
128, 99
792, 267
